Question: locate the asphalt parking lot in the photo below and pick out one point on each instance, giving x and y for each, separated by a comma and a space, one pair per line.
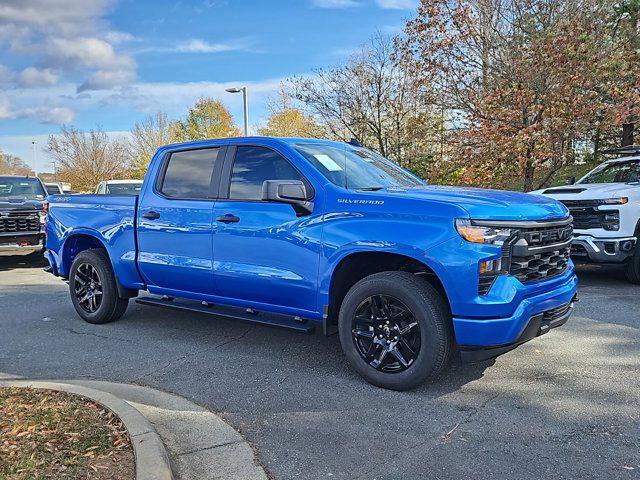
566, 405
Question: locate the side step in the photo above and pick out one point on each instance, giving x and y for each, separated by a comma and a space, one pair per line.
249, 315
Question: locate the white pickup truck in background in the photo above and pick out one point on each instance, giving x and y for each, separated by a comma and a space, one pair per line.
605, 205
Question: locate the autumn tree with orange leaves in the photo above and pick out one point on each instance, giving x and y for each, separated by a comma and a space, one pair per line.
530, 84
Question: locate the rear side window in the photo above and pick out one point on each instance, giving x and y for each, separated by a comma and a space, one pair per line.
188, 174
252, 166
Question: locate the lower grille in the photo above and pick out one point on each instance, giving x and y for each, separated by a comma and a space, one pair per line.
555, 313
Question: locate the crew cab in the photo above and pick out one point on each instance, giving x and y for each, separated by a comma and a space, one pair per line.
605, 205
303, 233
22, 211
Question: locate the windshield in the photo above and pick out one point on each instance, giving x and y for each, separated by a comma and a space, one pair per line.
124, 188
356, 167
622, 172
29, 188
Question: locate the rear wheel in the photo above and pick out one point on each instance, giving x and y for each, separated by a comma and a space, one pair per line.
93, 288
394, 329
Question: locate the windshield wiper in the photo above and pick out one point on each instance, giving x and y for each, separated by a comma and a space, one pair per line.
369, 189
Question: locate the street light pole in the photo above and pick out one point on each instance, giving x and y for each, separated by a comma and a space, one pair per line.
35, 161
246, 106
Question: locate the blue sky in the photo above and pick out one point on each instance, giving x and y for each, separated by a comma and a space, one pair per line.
109, 63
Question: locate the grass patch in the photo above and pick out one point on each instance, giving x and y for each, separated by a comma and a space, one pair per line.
46, 434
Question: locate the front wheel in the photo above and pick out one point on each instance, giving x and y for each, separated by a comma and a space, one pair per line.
633, 267
93, 288
395, 330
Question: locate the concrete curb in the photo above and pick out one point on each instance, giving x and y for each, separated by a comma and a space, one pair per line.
152, 461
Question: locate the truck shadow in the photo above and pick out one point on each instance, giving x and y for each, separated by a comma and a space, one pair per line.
35, 260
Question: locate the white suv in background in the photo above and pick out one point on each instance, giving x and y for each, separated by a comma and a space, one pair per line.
605, 205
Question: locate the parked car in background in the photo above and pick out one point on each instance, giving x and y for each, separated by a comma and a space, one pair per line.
119, 187
22, 213
53, 188
299, 233
605, 205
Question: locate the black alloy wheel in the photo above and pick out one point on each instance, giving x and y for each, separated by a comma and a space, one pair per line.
386, 334
88, 288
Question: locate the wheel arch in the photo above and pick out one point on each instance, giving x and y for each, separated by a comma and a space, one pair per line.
80, 241
355, 266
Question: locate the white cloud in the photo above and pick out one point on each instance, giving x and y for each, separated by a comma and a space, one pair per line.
398, 4
62, 17
32, 77
57, 115
201, 46
6, 75
335, 3
69, 37
107, 79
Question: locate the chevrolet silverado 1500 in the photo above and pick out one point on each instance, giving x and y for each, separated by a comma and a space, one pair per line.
300, 233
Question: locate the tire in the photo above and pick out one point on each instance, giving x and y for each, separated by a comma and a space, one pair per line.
400, 292
632, 268
91, 273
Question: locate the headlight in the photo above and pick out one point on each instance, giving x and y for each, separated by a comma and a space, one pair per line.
613, 201
481, 234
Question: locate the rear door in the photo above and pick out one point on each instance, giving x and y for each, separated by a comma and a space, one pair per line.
175, 223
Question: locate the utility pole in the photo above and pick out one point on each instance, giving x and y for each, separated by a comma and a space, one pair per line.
35, 159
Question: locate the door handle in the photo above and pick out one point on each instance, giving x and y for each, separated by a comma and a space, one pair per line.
228, 218
151, 215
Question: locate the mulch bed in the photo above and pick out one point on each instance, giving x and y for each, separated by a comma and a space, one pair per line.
56, 435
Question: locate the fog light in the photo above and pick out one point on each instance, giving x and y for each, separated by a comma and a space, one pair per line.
626, 246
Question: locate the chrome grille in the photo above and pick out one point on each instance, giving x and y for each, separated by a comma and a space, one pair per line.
20, 221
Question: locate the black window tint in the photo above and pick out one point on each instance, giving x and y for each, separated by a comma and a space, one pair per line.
188, 174
254, 165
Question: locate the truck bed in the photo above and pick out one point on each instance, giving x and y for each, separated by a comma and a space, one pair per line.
111, 218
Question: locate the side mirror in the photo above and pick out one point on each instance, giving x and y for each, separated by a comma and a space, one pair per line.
293, 192
571, 180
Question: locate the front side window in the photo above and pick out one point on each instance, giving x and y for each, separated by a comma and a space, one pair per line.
623, 172
252, 166
188, 174
356, 167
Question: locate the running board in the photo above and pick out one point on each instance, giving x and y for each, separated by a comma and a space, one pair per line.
249, 315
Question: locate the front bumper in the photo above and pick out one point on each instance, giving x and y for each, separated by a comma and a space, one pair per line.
537, 325
529, 302
9, 249
602, 250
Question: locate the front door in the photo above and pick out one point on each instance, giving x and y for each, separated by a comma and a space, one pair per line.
175, 224
263, 252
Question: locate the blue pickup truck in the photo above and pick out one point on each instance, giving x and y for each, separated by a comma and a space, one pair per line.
302, 233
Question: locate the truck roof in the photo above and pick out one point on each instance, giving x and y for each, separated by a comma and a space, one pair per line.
241, 140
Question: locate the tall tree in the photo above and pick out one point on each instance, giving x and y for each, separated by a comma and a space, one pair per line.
208, 118
530, 81
84, 159
373, 98
285, 120
146, 137
13, 165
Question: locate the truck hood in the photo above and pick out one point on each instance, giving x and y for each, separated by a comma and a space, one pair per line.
8, 204
589, 191
484, 204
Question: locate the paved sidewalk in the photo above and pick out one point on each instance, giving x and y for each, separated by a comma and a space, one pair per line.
200, 444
